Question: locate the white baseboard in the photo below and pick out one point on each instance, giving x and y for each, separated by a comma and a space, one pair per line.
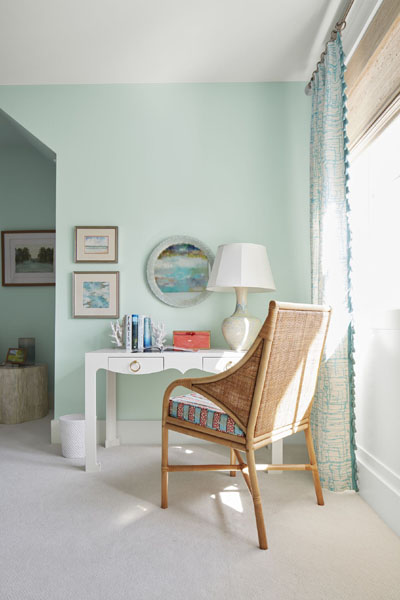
132, 432
380, 488
149, 432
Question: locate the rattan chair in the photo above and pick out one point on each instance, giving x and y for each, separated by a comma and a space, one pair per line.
265, 397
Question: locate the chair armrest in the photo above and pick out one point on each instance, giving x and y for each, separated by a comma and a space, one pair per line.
167, 394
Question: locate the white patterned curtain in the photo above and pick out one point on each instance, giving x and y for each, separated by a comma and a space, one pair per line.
332, 416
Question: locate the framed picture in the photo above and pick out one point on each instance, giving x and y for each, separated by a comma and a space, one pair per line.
178, 270
95, 295
16, 356
28, 257
96, 244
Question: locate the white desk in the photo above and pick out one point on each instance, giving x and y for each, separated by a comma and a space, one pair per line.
143, 363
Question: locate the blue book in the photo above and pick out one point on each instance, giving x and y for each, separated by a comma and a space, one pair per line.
135, 331
147, 334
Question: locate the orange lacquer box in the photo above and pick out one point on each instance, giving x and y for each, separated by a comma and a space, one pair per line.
197, 340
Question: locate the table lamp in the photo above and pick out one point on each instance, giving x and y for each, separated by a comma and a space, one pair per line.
243, 268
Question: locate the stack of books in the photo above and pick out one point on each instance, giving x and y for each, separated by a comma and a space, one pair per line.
137, 333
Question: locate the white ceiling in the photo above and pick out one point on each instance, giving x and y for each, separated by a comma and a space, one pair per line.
146, 41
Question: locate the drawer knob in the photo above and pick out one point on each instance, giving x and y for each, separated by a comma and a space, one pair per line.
228, 365
135, 366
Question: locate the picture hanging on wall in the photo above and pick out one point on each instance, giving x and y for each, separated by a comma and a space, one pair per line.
178, 270
96, 244
95, 295
28, 257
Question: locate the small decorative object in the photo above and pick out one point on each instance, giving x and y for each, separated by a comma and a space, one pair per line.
95, 295
158, 332
28, 257
117, 333
197, 340
243, 268
29, 345
16, 356
96, 244
178, 270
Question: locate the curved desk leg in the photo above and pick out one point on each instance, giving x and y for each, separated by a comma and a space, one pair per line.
90, 417
111, 410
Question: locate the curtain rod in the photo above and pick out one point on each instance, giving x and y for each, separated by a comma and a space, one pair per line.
340, 25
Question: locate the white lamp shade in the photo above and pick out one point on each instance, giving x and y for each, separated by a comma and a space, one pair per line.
241, 265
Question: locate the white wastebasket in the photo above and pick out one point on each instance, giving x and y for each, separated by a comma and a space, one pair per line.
72, 431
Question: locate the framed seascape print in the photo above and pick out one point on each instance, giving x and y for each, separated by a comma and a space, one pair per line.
28, 257
96, 244
95, 295
178, 270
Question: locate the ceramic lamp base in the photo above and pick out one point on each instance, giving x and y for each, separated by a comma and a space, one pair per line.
241, 329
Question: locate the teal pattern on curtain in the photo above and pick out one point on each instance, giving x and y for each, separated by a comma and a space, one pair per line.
332, 417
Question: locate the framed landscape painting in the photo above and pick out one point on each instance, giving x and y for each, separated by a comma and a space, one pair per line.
28, 257
96, 244
95, 295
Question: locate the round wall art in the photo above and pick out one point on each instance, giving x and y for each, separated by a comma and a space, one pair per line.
178, 270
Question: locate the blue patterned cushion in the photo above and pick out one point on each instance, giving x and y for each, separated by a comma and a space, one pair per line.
195, 408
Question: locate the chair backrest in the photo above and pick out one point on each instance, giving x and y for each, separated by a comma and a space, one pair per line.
294, 336
273, 385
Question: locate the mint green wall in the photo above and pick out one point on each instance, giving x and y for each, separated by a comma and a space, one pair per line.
221, 162
27, 201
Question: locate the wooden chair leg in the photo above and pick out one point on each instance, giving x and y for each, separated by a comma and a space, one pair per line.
262, 536
243, 464
313, 463
233, 461
164, 466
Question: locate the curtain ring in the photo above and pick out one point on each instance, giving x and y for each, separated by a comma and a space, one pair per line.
340, 25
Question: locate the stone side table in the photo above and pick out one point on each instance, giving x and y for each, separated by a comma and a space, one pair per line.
23, 393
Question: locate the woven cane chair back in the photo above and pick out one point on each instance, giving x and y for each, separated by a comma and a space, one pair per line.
235, 392
296, 336
273, 385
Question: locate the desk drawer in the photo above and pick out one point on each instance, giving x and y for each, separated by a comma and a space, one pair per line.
217, 365
136, 366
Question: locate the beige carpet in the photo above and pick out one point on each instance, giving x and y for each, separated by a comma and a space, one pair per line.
66, 534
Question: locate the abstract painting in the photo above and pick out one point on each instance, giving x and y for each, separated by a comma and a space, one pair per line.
178, 270
181, 268
95, 294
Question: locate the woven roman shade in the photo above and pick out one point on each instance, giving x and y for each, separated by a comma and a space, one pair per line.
373, 75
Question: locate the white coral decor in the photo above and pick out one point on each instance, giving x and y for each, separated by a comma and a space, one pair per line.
117, 333
158, 334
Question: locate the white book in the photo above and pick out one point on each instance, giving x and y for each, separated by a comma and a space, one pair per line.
128, 333
140, 333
